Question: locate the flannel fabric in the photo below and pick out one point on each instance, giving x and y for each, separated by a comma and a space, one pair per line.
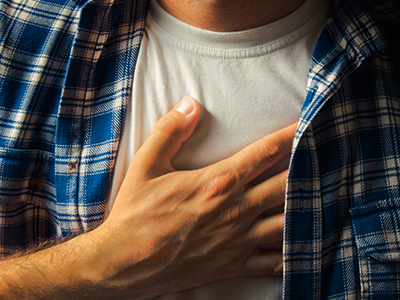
342, 225
66, 67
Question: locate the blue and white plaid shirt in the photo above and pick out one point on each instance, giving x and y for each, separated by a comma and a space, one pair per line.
66, 67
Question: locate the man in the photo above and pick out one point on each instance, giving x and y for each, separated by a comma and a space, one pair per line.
328, 252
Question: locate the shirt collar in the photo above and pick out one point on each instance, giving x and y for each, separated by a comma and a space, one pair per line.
352, 34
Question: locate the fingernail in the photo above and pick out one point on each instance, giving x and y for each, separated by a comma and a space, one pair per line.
185, 106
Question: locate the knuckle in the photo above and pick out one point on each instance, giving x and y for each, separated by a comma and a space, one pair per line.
220, 184
277, 270
167, 124
271, 151
230, 220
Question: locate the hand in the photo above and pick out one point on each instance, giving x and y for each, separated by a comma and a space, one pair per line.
172, 230
169, 230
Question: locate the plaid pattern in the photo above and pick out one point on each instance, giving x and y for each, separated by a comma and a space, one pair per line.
65, 72
66, 68
342, 228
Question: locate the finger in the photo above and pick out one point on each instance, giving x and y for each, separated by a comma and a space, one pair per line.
265, 230
167, 137
261, 155
267, 194
264, 263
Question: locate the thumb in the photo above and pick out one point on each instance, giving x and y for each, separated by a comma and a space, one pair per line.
166, 138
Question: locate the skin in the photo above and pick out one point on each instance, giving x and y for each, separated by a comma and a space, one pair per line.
229, 15
172, 230
169, 230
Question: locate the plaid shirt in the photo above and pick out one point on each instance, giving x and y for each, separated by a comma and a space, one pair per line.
66, 68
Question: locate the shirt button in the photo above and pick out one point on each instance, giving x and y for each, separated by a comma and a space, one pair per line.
71, 166
35, 185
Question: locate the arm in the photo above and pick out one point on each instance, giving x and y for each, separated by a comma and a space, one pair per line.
169, 230
62, 271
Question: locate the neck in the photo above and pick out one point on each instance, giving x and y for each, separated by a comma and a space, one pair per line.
229, 15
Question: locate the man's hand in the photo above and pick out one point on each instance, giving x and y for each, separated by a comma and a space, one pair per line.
169, 230
173, 230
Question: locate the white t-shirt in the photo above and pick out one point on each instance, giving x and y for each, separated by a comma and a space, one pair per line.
248, 83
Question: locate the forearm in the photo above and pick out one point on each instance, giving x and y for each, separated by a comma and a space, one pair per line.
64, 271
169, 230
91, 266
